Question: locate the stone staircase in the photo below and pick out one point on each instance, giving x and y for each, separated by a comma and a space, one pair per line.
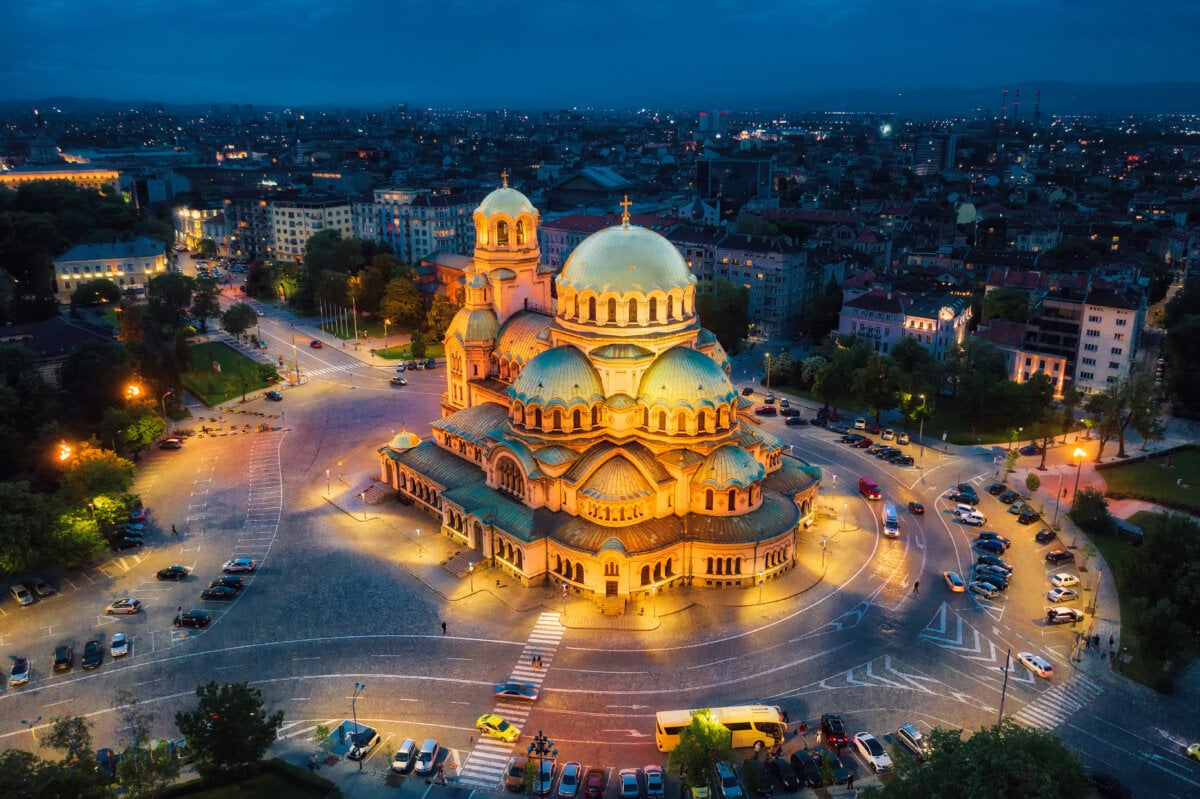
376, 493
460, 564
612, 606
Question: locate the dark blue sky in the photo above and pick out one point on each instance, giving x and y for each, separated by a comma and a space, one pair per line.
607, 53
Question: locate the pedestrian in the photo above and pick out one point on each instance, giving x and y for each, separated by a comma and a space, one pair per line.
533, 660
1111, 641
443, 628
917, 587
806, 743
1096, 641
835, 481
174, 532
1112, 656
785, 718
540, 662
850, 782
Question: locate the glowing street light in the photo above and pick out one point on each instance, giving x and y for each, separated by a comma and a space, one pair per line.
760, 585
64, 452
132, 391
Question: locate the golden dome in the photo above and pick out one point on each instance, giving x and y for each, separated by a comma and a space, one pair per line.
404, 440
474, 325
506, 201
684, 376
727, 467
559, 376
625, 258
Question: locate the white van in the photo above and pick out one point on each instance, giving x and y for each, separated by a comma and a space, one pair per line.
891, 522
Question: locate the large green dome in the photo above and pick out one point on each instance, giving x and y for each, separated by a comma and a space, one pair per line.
684, 376
559, 376
625, 258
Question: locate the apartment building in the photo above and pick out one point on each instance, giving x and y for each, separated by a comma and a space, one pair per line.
417, 222
1112, 319
295, 218
248, 225
129, 264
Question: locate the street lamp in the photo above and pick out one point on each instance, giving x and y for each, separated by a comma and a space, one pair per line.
921, 430
845, 510
386, 322
471, 569
824, 542
654, 602
1096, 593
541, 748
326, 482
418, 542
1079, 454
31, 725
768, 374
163, 402
363, 496
358, 689
1057, 500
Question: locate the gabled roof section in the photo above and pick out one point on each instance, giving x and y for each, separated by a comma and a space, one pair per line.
877, 300
482, 425
141, 247
440, 467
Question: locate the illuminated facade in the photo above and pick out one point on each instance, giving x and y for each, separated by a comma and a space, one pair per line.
129, 264
597, 442
85, 178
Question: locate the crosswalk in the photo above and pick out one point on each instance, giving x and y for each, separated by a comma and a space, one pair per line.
485, 766
327, 370
1058, 704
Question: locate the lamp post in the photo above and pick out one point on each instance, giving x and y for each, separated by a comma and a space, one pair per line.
921, 429
654, 602
1057, 500
326, 482
768, 374
418, 542
760, 585
541, 748
1078, 455
471, 569
358, 689
386, 322
824, 542
363, 496
163, 402
31, 725
845, 510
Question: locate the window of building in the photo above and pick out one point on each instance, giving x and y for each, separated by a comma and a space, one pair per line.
1089, 348
1087, 376
1092, 333
1118, 336
1089, 361
1114, 365
1121, 322
1094, 319
1117, 350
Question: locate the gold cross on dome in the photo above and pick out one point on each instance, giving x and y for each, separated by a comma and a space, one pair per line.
625, 214
504, 177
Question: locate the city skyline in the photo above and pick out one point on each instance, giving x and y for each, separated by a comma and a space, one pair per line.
490, 55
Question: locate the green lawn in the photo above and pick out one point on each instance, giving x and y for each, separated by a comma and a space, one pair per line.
1151, 480
238, 374
262, 786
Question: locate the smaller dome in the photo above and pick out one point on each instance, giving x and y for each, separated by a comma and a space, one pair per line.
559, 376
727, 467
404, 440
684, 376
477, 281
506, 201
474, 325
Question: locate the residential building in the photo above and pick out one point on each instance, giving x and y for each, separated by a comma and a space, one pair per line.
875, 316
84, 177
248, 225
417, 222
129, 264
1022, 364
295, 218
1112, 319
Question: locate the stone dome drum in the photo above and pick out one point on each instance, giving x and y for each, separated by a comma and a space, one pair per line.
625, 258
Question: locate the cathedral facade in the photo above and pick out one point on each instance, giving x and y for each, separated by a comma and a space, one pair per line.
595, 439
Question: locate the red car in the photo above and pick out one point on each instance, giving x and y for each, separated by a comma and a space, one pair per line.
766, 410
863, 443
874, 429
315, 344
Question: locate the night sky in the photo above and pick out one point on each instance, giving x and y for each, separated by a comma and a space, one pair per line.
598, 53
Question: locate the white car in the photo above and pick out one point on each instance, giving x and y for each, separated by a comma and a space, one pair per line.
888, 434
19, 593
1064, 580
984, 590
124, 607
1036, 663
119, 647
872, 751
860, 423
1061, 595
19, 673
238, 565
902, 438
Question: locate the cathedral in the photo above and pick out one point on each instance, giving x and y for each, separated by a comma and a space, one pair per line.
592, 437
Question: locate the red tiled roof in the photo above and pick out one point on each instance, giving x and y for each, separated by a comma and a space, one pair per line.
1002, 332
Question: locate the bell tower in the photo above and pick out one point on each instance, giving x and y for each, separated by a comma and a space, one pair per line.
507, 252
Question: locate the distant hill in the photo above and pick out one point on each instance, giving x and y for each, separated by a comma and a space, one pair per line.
1057, 98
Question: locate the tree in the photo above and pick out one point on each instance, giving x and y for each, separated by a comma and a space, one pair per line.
147, 766
1089, 511
94, 292
238, 319
701, 744
168, 298
94, 471
73, 736
995, 762
228, 731
206, 247
417, 345
1032, 483
724, 309
1105, 408
1139, 410
811, 367
1071, 399
918, 370
1006, 303
820, 315
441, 313
877, 386
129, 317
205, 304
95, 376
402, 303
24, 516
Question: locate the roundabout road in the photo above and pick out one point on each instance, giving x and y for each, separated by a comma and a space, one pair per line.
338, 600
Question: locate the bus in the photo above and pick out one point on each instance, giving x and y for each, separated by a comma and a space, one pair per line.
749, 724
891, 522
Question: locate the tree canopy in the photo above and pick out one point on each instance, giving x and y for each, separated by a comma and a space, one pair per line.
723, 308
701, 744
229, 731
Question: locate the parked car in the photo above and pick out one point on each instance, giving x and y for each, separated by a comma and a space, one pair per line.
1045, 536
239, 565
543, 781
789, 412
41, 588
888, 434
995, 537
593, 785
430, 363
994, 560
997, 581
785, 403
783, 771
989, 545
901, 460
122, 544
872, 751
1029, 516
172, 573
1018, 507
985, 590
1030, 449
1057, 556
796, 421
989, 571
963, 497
630, 787
766, 410
995, 489
406, 756
124, 607
568, 782
93, 655
863, 443
1061, 595
1036, 663
19, 673
193, 618
171, 442
514, 776
229, 581
1009, 497
902, 438
770, 398
21, 594
274, 396
119, 645
840, 773
220, 593
747, 391
363, 741
64, 657
860, 423
807, 767
832, 732
655, 786
911, 739
728, 784
1063, 580
1064, 615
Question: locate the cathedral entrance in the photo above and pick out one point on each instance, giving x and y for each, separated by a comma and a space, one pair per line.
610, 588
477, 539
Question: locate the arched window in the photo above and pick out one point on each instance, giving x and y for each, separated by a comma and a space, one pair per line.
702, 422
732, 498
670, 570
662, 421
708, 566
502, 233
670, 308
579, 572
657, 571
576, 298
520, 233
612, 310
556, 423
474, 370
591, 309
737, 566
577, 419
653, 317
708, 499
633, 311
595, 416
645, 575
537, 418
